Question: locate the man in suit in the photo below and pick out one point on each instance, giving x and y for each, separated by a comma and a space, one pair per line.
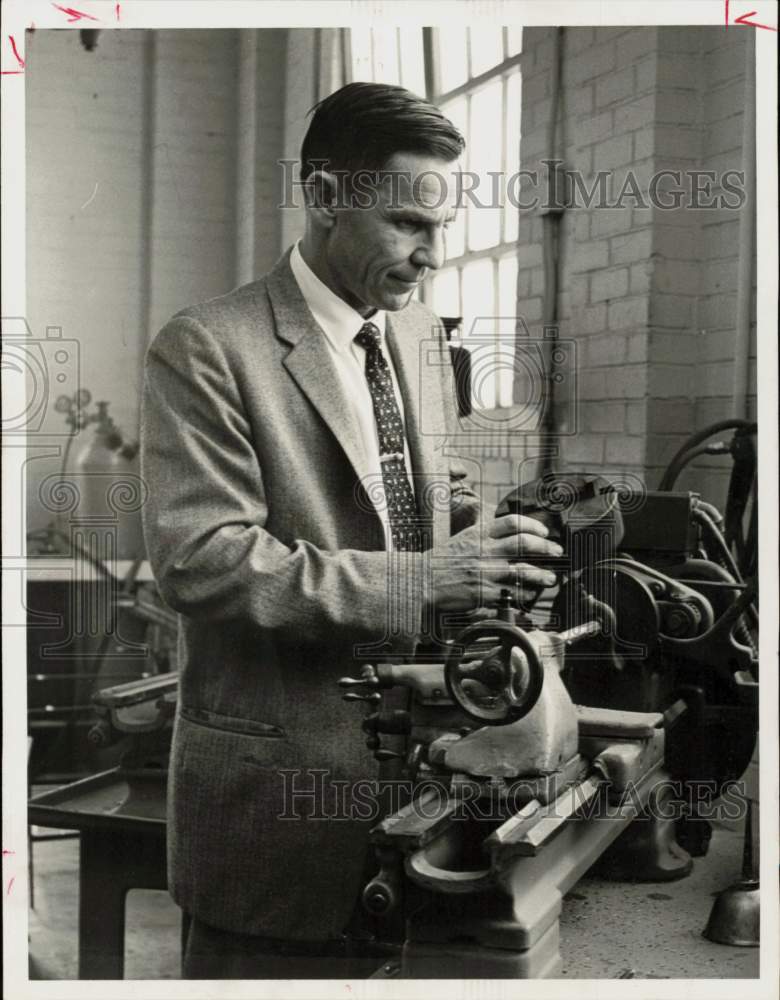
304, 516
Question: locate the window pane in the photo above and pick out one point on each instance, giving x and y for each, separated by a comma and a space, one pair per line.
478, 301
445, 297
453, 62
360, 43
455, 236
507, 309
514, 40
512, 124
412, 62
457, 112
507, 286
385, 55
487, 49
484, 212
479, 328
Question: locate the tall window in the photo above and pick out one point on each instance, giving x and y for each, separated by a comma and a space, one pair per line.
473, 75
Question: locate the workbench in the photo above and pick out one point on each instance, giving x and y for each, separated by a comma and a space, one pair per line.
120, 819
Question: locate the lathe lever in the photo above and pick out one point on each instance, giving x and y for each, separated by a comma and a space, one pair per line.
373, 697
350, 682
577, 632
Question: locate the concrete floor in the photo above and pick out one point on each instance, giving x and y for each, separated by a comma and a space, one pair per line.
608, 929
653, 930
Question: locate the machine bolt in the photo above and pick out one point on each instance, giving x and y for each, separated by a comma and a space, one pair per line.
683, 620
100, 734
494, 675
377, 899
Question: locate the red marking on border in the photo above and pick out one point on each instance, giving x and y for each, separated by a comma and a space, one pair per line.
117, 12
743, 19
74, 15
19, 59
10, 885
5, 852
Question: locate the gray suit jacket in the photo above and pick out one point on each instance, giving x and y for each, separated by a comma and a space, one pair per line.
260, 535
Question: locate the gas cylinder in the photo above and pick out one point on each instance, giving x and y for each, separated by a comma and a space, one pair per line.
105, 469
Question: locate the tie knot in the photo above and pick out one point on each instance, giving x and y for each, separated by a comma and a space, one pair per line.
368, 337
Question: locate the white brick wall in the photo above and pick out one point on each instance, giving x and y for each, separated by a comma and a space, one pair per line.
703, 262
131, 187
300, 94
648, 295
271, 62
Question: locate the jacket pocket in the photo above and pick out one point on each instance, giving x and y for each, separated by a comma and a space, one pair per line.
231, 723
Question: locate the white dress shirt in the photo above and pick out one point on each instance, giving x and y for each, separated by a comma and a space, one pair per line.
340, 324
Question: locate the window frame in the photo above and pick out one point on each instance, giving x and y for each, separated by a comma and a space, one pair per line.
505, 248
510, 65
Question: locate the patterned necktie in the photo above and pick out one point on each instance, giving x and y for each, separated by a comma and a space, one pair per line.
399, 497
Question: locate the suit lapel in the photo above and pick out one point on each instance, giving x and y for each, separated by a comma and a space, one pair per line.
309, 361
310, 364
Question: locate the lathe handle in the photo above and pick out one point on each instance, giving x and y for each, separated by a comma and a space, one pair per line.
512, 696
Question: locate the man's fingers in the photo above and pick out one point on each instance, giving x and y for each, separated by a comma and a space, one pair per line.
480, 614
513, 524
517, 574
527, 596
525, 545
524, 575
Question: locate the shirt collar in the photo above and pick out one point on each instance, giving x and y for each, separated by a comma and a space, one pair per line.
340, 322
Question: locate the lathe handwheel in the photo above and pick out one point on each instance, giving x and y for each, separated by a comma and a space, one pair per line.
508, 696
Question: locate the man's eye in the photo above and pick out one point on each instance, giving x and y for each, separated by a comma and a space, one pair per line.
406, 225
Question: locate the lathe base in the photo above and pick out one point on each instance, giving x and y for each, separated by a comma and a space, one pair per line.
515, 933
648, 851
456, 960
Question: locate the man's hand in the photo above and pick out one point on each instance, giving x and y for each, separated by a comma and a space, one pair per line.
472, 568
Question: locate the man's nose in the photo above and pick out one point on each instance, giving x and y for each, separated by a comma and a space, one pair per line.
430, 253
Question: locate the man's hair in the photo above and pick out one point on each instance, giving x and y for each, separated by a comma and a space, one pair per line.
362, 125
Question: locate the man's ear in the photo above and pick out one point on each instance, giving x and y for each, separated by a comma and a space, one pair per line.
321, 193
